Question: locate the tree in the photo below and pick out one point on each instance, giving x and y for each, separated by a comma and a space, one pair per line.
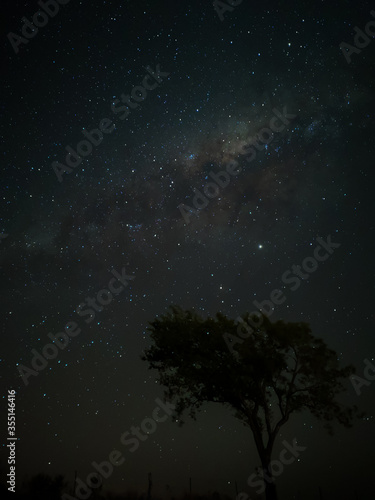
264, 372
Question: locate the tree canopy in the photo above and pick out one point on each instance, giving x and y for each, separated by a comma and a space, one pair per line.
263, 371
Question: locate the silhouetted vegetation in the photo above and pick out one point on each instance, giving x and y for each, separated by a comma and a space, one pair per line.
264, 372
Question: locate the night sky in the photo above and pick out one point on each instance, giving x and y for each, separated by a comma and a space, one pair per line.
118, 211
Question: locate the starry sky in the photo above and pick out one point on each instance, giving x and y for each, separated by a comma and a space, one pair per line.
118, 209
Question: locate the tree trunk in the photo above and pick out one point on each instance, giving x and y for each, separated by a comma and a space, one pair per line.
271, 493
265, 454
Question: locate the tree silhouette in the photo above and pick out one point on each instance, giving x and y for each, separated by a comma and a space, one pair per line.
264, 372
